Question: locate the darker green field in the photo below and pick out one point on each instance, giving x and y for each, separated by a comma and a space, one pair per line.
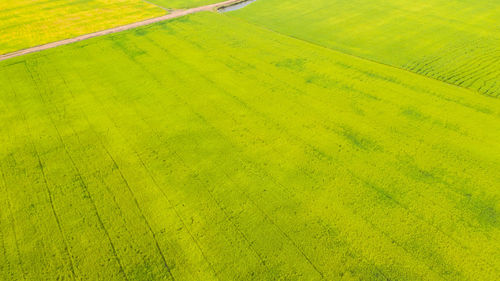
457, 42
207, 148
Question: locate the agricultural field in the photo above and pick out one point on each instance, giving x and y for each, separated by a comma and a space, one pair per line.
228, 151
453, 41
182, 4
28, 23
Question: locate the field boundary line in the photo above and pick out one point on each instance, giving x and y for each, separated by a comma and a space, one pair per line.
51, 201
359, 58
13, 224
47, 190
83, 184
125, 181
173, 15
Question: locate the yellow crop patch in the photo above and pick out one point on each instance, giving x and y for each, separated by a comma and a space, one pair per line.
29, 23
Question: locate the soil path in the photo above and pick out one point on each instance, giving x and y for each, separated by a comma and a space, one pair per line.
172, 15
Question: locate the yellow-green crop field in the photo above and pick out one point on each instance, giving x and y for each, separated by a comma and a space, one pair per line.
28, 23
456, 41
207, 148
182, 4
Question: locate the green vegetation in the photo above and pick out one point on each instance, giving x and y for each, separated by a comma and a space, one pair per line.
28, 23
208, 148
180, 4
453, 41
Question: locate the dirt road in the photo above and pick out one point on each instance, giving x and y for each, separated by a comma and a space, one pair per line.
172, 15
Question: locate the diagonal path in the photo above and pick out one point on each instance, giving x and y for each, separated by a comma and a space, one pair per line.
172, 15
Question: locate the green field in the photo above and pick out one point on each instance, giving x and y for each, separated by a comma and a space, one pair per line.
28, 23
180, 4
450, 40
208, 148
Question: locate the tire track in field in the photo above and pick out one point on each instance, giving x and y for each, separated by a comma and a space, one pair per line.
148, 171
477, 67
466, 66
289, 86
403, 206
294, 244
286, 236
115, 164
119, 209
163, 194
481, 73
265, 215
140, 210
136, 153
325, 157
211, 195
51, 201
418, 217
208, 191
401, 68
471, 67
384, 234
162, 256
49, 194
300, 140
489, 88
5, 265
261, 210
79, 175
112, 194
218, 204
172, 206
87, 193
4, 251
381, 192
457, 73
47, 189
13, 226
173, 15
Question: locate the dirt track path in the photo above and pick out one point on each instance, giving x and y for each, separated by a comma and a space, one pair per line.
172, 15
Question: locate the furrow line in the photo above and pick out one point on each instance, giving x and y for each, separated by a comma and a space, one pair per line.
80, 178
